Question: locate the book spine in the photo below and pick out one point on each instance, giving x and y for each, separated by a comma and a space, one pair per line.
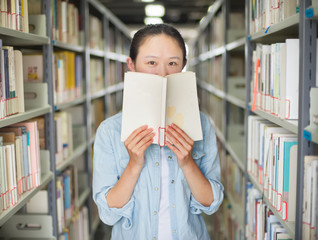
162, 135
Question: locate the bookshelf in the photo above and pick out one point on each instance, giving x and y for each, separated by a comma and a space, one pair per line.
222, 104
113, 40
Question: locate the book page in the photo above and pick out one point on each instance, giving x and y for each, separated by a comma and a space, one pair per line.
141, 102
182, 104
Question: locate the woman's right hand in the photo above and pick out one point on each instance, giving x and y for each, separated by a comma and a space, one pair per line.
137, 143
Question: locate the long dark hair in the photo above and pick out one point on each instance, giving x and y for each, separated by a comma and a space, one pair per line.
156, 29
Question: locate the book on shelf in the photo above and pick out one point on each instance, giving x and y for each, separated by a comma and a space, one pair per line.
309, 227
272, 162
264, 13
33, 68
261, 221
64, 136
97, 74
159, 101
11, 82
14, 15
95, 33
275, 79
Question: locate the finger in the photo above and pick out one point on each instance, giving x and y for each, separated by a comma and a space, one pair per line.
145, 140
140, 136
147, 144
173, 148
182, 133
136, 132
178, 139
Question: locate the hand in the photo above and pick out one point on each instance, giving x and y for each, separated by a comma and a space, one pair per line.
136, 144
182, 145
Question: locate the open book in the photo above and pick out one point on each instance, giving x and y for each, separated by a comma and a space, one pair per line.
159, 101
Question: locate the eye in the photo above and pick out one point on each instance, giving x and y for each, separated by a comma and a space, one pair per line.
172, 63
152, 63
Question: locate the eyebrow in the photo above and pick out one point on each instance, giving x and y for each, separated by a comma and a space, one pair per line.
152, 56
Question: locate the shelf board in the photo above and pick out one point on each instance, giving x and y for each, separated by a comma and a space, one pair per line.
16, 38
211, 12
237, 44
116, 57
212, 53
83, 196
97, 53
4, 216
236, 208
291, 125
67, 46
311, 134
70, 103
95, 224
67, 162
236, 152
29, 113
289, 226
236, 101
98, 94
279, 31
115, 88
210, 88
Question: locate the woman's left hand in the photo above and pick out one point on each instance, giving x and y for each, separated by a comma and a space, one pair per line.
182, 144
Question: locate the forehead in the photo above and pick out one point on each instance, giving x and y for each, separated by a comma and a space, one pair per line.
159, 42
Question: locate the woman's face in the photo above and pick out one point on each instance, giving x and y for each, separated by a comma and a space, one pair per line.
158, 54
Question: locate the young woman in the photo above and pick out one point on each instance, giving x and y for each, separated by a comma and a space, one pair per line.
150, 192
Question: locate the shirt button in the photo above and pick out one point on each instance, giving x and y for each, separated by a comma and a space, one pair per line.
195, 154
154, 238
174, 231
172, 181
154, 213
169, 157
172, 205
157, 164
156, 189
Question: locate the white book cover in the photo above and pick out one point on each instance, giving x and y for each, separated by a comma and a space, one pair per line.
159, 101
19, 80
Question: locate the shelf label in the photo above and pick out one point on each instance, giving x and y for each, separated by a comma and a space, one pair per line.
309, 13
307, 135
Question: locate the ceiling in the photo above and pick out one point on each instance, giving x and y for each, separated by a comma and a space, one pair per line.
183, 14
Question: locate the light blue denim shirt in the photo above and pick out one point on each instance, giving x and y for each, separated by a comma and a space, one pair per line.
138, 219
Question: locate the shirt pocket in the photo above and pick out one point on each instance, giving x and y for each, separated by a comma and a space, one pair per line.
197, 156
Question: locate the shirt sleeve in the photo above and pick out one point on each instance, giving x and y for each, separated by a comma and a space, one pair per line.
105, 176
210, 167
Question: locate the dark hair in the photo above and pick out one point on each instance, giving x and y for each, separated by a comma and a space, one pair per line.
155, 29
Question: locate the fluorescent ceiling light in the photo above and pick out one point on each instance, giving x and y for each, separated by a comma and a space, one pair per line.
147, 1
154, 10
152, 20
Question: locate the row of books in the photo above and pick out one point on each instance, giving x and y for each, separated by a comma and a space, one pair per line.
20, 167
64, 136
14, 15
69, 185
95, 33
97, 114
261, 221
275, 79
67, 74
264, 13
97, 79
272, 161
310, 198
66, 22
11, 81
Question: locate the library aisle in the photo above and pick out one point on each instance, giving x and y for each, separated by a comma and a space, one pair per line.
62, 67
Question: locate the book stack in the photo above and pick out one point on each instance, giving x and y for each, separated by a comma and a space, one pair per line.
261, 222
11, 82
275, 79
20, 168
97, 81
65, 22
272, 162
64, 136
14, 15
67, 76
264, 13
